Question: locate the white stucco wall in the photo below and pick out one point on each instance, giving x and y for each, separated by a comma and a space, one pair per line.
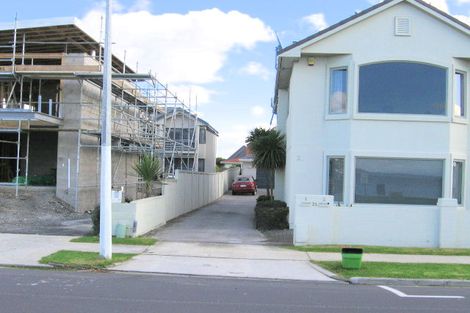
312, 134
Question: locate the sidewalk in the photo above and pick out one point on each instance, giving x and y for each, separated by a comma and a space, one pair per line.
27, 250
192, 258
394, 258
228, 260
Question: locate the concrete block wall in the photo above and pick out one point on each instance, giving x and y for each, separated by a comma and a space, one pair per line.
189, 191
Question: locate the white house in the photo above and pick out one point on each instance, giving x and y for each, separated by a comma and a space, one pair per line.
243, 157
375, 112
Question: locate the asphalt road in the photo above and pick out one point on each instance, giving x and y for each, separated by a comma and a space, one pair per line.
71, 292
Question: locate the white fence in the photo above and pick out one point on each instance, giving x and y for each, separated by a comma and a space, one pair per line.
443, 225
187, 192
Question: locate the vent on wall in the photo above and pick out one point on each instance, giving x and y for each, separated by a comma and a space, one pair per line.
402, 26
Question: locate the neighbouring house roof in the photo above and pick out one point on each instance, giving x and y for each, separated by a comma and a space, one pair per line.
244, 154
200, 120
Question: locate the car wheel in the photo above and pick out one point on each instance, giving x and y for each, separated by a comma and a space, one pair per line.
233, 193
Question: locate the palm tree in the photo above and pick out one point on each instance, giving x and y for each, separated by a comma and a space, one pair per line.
148, 167
256, 133
269, 151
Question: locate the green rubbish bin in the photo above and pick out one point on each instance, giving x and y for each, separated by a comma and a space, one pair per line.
351, 258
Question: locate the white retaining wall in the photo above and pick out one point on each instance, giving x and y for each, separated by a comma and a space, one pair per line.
187, 192
445, 225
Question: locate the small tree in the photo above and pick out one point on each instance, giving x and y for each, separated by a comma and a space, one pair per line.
257, 133
148, 167
269, 149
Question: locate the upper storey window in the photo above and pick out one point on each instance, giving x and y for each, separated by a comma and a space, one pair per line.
459, 94
338, 91
402, 88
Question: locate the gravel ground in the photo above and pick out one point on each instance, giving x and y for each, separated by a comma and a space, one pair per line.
37, 211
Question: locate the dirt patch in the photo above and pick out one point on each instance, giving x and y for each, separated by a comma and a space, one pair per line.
38, 211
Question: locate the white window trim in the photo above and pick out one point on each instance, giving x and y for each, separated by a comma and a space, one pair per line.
463, 159
326, 176
350, 85
446, 175
460, 119
405, 117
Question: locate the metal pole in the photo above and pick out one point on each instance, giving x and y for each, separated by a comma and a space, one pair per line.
18, 156
105, 170
27, 154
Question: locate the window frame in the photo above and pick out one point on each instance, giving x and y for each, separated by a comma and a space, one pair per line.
464, 91
344, 114
462, 187
327, 176
402, 116
442, 158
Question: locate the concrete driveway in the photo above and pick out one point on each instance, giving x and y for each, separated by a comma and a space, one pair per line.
228, 220
220, 239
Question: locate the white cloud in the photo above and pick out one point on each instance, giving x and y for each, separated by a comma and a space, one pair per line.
258, 111
182, 48
234, 137
190, 94
463, 18
462, 1
316, 20
256, 69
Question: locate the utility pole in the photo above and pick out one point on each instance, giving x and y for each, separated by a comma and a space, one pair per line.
105, 175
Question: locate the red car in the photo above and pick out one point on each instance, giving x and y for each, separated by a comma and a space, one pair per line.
244, 184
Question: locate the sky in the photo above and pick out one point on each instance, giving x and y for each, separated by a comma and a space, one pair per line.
221, 52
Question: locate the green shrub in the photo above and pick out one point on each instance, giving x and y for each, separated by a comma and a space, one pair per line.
95, 219
271, 215
272, 203
45, 180
264, 198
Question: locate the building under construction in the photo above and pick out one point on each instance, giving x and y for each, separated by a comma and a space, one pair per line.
50, 96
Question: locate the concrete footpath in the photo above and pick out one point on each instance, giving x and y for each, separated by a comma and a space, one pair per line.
228, 260
27, 250
202, 258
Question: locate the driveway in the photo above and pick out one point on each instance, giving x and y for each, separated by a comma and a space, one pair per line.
228, 220
220, 239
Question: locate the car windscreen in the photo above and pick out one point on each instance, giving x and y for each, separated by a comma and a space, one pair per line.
243, 179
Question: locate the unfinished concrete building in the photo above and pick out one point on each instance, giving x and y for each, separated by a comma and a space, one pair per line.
50, 96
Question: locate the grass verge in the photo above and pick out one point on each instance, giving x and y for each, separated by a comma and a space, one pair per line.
137, 241
386, 250
401, 270
83, 260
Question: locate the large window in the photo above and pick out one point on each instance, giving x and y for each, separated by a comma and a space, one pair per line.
398, 181
457, 181
459, 94
336, 178
402, 88
338, 91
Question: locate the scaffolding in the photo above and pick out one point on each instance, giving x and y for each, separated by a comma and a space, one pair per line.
146, 116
